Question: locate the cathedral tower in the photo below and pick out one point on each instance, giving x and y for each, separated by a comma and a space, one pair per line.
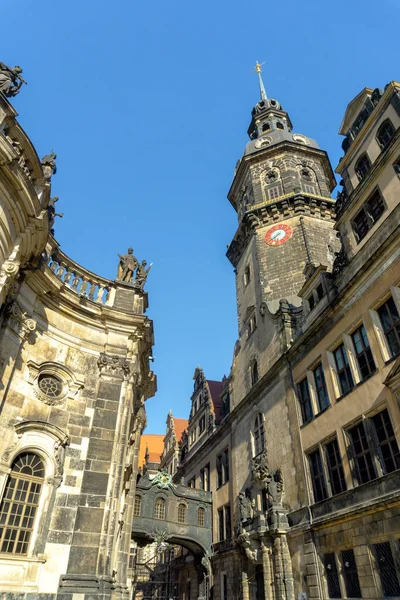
281, 192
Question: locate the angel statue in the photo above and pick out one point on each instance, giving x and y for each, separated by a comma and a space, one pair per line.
10, 80
141, 274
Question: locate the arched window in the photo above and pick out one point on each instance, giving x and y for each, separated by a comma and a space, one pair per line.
279, 125
259, 436
20, 503
200, 516
159, 509
385, 133
362, 166
182, 513
137, 509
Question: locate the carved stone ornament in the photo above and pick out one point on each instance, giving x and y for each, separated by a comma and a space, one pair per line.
260, 471
206, 561
20, 320
160, 536
163, 480
52, 382
113, 365
244, 540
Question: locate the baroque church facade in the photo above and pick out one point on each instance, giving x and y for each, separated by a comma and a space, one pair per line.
303, 460
74, 362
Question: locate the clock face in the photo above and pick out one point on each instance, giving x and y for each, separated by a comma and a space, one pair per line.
278, 234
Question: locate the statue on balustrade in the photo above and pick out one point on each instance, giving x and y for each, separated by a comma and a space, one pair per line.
141, 274
51, 211
49, 166
127, 265
10, 80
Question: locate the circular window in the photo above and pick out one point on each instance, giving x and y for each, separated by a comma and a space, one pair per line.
50, 385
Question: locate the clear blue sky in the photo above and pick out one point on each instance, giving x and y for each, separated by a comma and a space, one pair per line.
147, 105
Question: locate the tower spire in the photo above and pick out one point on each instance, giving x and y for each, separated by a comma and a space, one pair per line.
257, 69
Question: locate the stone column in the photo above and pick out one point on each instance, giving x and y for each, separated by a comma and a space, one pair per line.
245, 579
266, 563
287, 568
279, 570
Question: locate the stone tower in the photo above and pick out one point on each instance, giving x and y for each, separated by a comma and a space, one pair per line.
281, 192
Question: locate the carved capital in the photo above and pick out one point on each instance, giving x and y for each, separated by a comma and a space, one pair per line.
20, 320
116, 366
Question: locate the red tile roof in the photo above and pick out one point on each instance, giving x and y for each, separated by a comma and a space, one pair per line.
180, 425
154, 442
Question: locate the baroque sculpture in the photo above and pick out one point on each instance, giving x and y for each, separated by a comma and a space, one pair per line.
127, 267
51, 211
49, 166
246, 508
10, 80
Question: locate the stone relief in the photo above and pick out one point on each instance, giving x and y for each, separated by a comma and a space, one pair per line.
20, 320
10, 80
113, 365
163, 480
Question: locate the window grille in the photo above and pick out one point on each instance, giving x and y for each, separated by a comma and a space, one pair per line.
159, 509
390, 320
387, 441
317, 476
385, 133
335, 468
20, 503
345, 377
332, 576
259, 434
387, 569
50, 385
364, 356
182, 513
200, 517
362, 166
350, 574
137, 509
305, 401
361, 454
320, 387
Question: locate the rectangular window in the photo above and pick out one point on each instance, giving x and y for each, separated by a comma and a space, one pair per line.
332, 576
361, 454
273, 192
335, 468
226, 466
365, 360
305, 401
345, 377
220, 480
350, 574
387, 441
309, 189
317, 476
375, 206
387, 569
361, 225
224, 585
202, 424
221, 525
228, 526
320, 387
246, 276
205, 478
366, 218
390, 320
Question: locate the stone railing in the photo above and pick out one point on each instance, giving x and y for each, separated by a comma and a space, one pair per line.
81, 281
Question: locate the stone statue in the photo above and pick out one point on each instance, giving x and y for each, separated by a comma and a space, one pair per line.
245, 508
141, 274
259, 470
244, 540
49, 166
51, 211
275, 488
127, 266
10, 80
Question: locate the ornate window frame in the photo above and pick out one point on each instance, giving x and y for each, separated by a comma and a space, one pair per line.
48, 442
71, 383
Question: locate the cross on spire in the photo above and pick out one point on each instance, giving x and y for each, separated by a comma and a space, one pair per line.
257, 69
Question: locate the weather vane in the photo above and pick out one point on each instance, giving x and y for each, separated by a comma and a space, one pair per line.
257, 69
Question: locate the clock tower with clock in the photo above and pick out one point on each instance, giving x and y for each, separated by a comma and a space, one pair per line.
281, 192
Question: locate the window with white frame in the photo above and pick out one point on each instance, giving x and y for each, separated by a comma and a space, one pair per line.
343, 370
390, 322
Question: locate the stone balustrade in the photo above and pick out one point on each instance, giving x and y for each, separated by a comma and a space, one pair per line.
81, 281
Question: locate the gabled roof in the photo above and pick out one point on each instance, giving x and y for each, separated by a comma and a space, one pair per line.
216, 388
180, 425
353, 109
154, 443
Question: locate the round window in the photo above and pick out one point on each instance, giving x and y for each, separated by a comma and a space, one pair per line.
50, 385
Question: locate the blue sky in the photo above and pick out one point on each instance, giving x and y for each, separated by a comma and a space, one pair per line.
147, 106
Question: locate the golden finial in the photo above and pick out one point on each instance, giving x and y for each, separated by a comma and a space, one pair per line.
257, 69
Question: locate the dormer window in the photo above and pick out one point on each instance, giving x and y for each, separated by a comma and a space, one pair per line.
385, 133
366, 218
362, 166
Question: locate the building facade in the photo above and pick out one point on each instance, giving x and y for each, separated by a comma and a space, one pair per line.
304, 464
75, 374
